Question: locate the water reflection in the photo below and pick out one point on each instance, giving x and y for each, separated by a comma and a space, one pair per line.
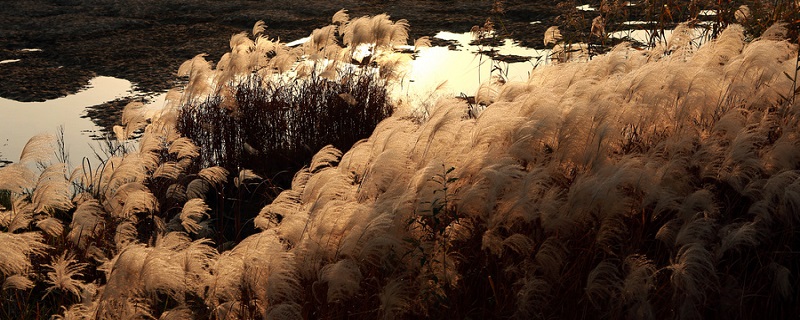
22, 120
463, 69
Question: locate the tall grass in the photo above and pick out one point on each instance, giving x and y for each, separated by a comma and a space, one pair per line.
590, 32
278, 125
659, 183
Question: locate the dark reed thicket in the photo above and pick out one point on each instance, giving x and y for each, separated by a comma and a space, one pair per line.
278, 125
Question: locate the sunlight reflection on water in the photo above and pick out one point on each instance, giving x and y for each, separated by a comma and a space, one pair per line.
23, 120
464, 69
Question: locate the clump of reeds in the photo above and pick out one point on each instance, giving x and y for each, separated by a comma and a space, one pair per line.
65, 227
592, 32
265, 100
278, 125
633, 185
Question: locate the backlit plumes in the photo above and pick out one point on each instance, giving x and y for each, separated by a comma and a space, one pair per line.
38, 149
200, 74
392, 65
184, 148
17, 282
343, 278
378, 30
637, 285
62, 277
17, 249
16, 177
19, 216
168, 170
569, 52
259, 27
603, 284
214, 175
280, 285
227, 276
87, 222
173, 269
257, 265
244, 176
340, 17
133, 118
488, 91
138, 202
187, 68
241, 41
195, 258
51, 226
399, 35
327, 186
422, 42
326, 157
742, 14
284, 61
163, 271
320, 39
381, 30
149, 146
286, 208
119, 172
370, 241
394, 300
729, 44
115, 199
125, 234
776, 32
693, 274
193, 211
52, 191
681, 41
179, 313
119, 133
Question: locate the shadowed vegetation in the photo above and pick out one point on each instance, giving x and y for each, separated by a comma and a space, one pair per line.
277, 127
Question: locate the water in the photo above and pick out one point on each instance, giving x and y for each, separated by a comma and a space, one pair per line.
23, 120
463, 70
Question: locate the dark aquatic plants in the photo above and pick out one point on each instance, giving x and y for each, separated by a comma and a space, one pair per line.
278, 125
268, 107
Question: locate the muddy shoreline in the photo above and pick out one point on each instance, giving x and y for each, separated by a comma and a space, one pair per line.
145, 41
